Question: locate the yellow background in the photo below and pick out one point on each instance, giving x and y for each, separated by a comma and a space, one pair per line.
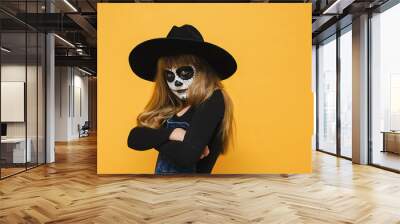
271, 89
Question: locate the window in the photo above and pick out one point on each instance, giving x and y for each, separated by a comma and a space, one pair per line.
385, 89
327, 95
335, 74
346, 93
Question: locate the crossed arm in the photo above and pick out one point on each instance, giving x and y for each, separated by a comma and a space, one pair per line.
186, 153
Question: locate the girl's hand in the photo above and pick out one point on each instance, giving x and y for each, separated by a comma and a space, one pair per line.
206, 151
178, 134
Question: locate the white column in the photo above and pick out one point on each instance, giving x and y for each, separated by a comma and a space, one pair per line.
360, 90
50, 92
62, 103
50, 99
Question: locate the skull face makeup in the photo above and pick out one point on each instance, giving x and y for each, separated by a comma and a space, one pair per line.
179, 80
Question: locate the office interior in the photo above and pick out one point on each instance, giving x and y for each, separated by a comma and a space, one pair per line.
64, 51
379, 88
46, 82
49, 91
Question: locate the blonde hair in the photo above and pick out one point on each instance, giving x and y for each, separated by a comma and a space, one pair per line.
164, 104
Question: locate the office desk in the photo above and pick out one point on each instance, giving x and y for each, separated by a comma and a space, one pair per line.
13, 150
391, 141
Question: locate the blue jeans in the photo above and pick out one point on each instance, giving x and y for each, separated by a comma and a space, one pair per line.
164, 166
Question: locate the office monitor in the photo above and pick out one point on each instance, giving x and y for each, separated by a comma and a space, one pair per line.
3, 129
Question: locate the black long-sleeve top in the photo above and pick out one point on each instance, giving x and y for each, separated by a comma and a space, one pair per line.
204, 130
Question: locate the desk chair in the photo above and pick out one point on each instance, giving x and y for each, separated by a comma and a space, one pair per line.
84, 130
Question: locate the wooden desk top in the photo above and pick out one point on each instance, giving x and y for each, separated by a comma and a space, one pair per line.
390, 132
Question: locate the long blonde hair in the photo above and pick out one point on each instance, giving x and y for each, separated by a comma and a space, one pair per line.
164, 104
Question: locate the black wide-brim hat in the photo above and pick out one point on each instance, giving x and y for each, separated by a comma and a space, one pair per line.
180, 40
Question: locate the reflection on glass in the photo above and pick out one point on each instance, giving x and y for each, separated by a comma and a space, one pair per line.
386, 89
346, 94
22, 90
15, 151
327, 96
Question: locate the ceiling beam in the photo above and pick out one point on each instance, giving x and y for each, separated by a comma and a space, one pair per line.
337, 7
84, 24
85, 61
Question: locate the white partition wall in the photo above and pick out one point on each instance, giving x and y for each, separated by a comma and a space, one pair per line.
71, 102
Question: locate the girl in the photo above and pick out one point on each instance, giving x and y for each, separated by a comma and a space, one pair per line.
189, 118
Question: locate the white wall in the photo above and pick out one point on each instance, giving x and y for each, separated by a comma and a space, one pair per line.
71, 102
81, 103
12, 73
13, 101
62, 81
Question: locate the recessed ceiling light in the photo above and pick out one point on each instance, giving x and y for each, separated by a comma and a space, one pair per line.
84, 71
70, 5
338, 6
64, 40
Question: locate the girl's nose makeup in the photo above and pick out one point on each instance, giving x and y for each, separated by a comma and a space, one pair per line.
177, 83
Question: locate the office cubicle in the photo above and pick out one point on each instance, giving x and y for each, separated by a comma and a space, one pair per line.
22, 77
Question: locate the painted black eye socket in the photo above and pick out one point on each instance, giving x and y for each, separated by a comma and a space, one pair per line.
169, 76
185, 72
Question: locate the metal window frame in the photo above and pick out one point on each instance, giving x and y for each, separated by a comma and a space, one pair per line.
337, 35
387, 5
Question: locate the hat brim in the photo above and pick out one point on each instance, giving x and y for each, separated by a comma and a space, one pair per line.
143, 58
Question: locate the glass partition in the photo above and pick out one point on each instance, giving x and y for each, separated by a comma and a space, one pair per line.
14, 153
22, 78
